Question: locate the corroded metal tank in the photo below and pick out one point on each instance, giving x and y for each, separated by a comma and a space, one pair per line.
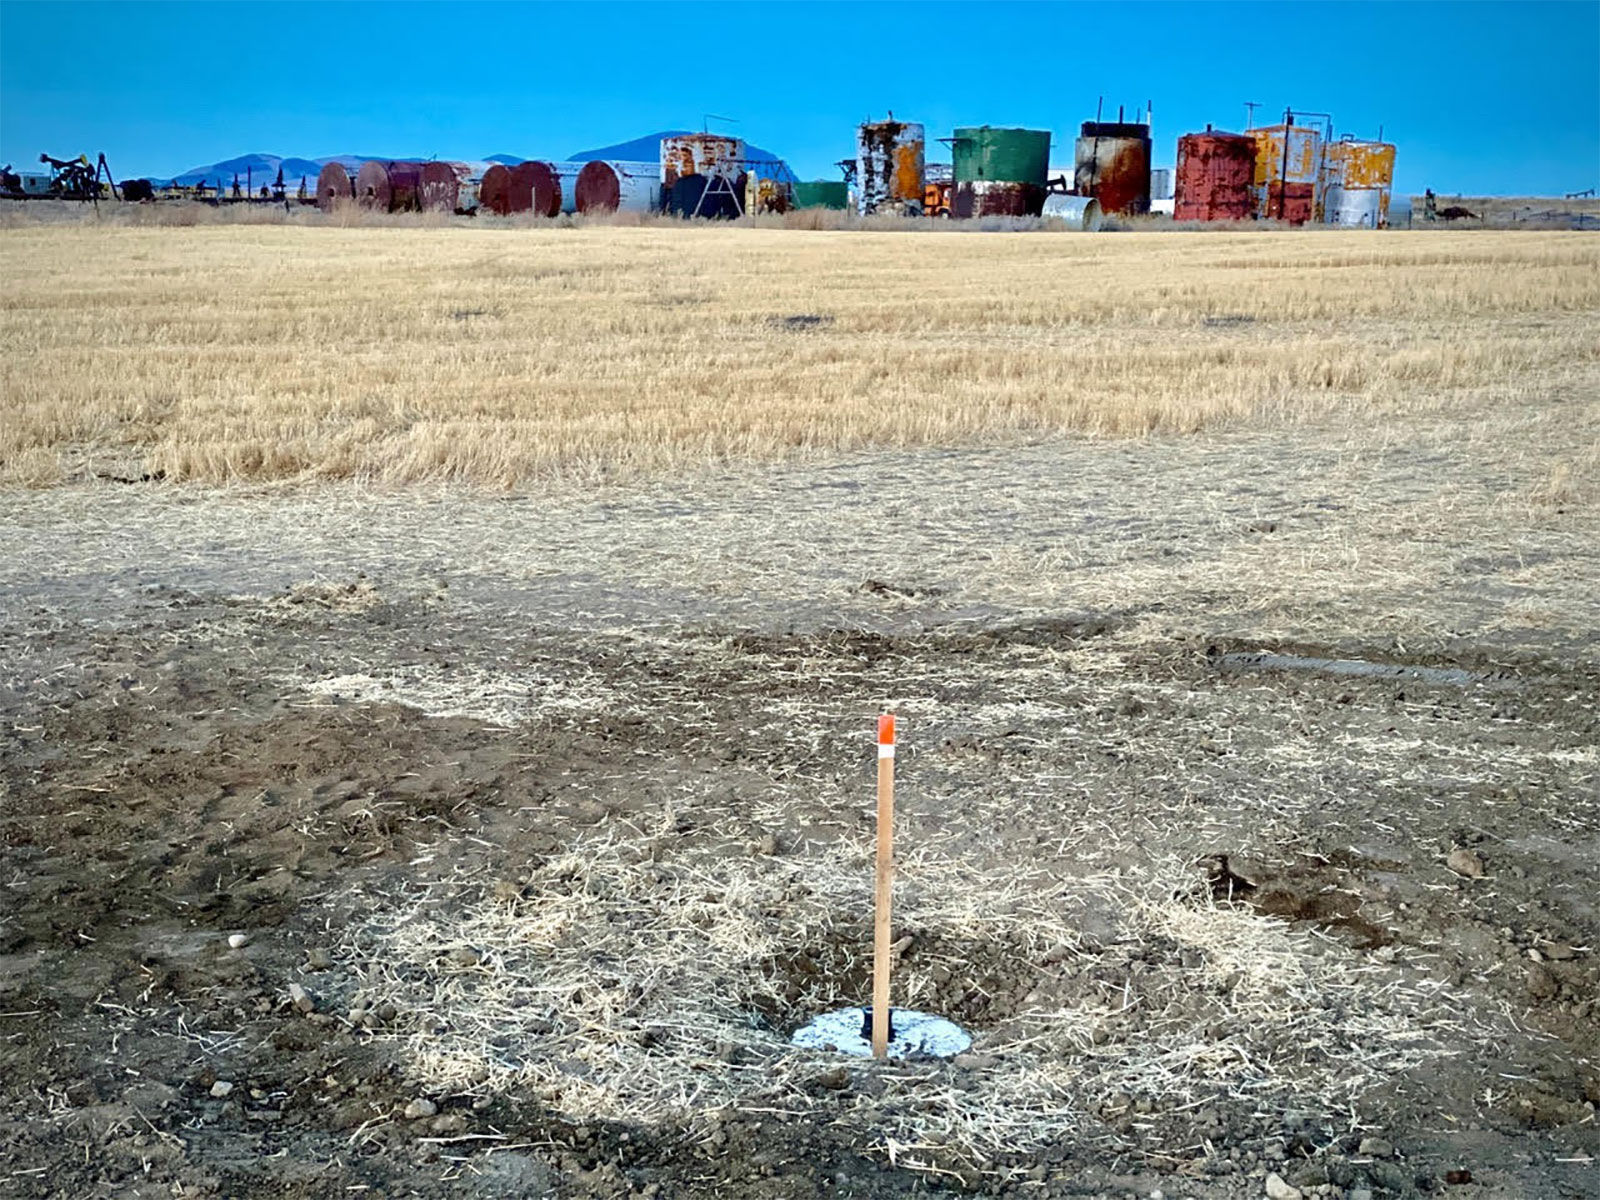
439, 187
1080, 213
707, 154
537, 187
1357, 177
618, 187
1112, 164
333, 185
495, 192
999, 172
889, 158
822, 193
388, 187
1216, 172
1288, 172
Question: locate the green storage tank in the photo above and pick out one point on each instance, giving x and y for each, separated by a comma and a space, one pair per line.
822, 193
1000, 172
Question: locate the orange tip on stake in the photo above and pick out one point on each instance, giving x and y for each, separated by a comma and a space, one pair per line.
886, 735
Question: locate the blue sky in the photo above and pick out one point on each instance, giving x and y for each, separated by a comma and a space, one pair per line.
1480, 97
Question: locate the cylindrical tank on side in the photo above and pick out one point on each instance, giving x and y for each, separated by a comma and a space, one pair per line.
438, 187
1288, 172
618, 187
495, 192
566, 174
705, 154
333, 185
1216, 172
889, 158
1112, 164
536, 186
822, 193
388, 187
1357, 177
1080, 213
999, 172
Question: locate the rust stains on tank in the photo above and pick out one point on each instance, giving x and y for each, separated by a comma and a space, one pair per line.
438, 187
889, 167
537, 188
707, 154
1112, 164
494, 191
1215, 173
997, 198
334, 185
388, 187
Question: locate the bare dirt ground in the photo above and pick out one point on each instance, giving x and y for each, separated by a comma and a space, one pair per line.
538, 822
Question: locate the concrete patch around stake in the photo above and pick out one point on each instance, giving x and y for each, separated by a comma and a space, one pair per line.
912, 1034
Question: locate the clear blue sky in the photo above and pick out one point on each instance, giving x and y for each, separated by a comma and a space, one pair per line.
1480, 97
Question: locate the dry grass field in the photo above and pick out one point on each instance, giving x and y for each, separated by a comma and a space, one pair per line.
438, 664
496, 356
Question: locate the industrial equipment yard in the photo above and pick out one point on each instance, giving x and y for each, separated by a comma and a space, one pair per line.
439, 658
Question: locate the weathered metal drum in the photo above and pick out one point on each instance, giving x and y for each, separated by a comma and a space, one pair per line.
1215, 174
618, 187
1112, 164
388, 187
999, 172
333, 186
889, 167
1080, 213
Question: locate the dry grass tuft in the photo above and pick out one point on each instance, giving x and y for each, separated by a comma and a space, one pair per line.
496, 355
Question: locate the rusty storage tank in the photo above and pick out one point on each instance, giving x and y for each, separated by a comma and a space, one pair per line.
1357, 178
708, 154
889, 158
1216, 175
707, 196
999, 172
388, 186
536, 187
1112, 164
494, 192
1288, 172
438, 187
618, 187
822, 193
333, 185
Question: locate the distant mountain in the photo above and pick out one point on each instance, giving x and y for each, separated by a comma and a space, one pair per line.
648, 149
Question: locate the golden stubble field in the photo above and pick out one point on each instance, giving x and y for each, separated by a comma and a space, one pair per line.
502, 355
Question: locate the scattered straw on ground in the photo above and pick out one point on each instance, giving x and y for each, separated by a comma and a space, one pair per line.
617, 982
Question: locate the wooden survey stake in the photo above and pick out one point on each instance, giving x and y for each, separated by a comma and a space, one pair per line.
885, 885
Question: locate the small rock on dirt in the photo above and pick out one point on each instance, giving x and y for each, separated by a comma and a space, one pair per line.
448, 1123
1560, 952
1277, 1189
301, 999
237, 941
765, 846
1541, 984
419, 1108
1377, 1147
221, 1088
1465, 862
319, 959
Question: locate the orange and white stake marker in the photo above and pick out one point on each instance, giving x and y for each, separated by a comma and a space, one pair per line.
885, 885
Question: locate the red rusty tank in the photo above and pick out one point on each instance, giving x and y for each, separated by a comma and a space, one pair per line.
1215, 173
388, 187
494, 191
333, 185
536, 188
1113, 165
439, 187
618, 187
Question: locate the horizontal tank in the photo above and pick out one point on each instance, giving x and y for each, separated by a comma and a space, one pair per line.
334, 185
1112, 164
999, 172
822, 193
495, 192
1288, 172
1357, 177
388, 186
1081, 214
438, 187
1216, 175
537, 183
705, 154
617, 187
889, 158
